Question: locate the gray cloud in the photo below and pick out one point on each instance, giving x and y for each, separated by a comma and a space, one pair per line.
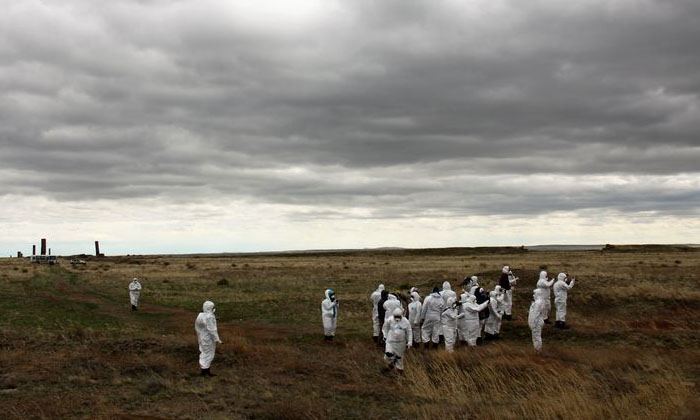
406, 108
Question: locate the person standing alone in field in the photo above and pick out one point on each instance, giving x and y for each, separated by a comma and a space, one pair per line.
208, 336
329, 314
535, 319
374, 298
134, 293
561, 292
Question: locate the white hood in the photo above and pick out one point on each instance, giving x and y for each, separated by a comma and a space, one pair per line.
208, 307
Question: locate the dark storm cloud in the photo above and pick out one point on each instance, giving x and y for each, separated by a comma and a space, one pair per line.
407, 108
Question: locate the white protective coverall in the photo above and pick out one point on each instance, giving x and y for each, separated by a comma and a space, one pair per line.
545, 286
471, 329
446, 294
508, 295
392, 302
462, 322
374, 297
207, 334
414, 311
449, 319
561, 292
535, 318
134, 292
329, 314
472, 281
399, 336
493, 322
430, 316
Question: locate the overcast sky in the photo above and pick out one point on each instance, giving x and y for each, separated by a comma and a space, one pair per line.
209, 126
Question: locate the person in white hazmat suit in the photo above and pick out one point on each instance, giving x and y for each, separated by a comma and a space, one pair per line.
470, 282
449, 318
507, 283
374, 298
561, 292
492, 326
414, 311
391, 303
134, 293
469, 324
208, 336
446, 294
462, 322
535, 319
545, 285
399, 336
430, 318
329, 315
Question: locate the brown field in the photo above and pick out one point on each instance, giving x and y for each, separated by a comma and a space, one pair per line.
70, 347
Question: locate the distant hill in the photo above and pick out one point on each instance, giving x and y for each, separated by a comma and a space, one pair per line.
565, 247
451, 251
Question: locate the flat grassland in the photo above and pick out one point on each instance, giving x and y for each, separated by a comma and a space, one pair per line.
70, 347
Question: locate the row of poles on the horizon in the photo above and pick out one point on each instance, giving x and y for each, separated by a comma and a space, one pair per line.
47, 251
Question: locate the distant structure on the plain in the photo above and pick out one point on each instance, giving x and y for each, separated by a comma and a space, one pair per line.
43, 257
97, 249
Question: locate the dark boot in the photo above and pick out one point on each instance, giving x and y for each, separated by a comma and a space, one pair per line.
375, 338
133, 307
557, 324
327, 338
546, 321
497, 336
508, 317
564, 326
488, 337
203, 372
479, 341
435, 346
